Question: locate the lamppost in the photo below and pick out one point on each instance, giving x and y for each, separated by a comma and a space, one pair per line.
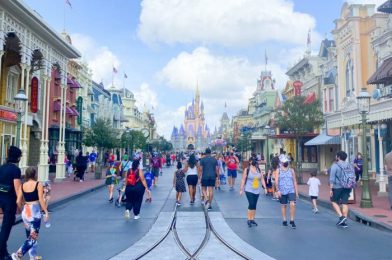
20, 102
382, 131
267, 131
363, 107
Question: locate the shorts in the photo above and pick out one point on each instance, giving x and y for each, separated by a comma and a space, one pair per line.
92, 163
208, 182
232, 173
313, 197
340, 195
192, 180
285, 199
252, 200
155, 171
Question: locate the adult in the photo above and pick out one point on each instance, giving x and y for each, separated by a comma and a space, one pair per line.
106, 158
286, 184
339, 195
93, 160
358, 167
192, 178
156, 165
81, 166
252, 177
32, 192
209, 175
10, 182
232, 165
134, 191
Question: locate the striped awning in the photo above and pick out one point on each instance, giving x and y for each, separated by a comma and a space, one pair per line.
323, 139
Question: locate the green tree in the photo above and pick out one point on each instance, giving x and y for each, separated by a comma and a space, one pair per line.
298, 118
133, 139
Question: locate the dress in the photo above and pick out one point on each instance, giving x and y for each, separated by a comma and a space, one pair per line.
180, 181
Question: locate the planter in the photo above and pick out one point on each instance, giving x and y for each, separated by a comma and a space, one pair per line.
98, 172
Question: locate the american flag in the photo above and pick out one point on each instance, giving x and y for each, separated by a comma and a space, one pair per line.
114, 70
68, 3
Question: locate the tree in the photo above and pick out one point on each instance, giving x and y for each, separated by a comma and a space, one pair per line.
133, 139
298, 118
162, 145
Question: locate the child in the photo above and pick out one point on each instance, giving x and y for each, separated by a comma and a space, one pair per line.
149, 177
179, 183
314, 184
110, 180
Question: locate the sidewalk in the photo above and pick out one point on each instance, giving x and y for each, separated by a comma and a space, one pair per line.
380, 216
68, 189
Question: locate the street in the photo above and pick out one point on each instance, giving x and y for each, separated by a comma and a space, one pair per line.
91, 228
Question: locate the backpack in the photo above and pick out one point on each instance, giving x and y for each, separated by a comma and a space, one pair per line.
347, 179
155, 162
133, 177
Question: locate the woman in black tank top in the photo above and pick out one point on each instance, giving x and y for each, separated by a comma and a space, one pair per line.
32, 192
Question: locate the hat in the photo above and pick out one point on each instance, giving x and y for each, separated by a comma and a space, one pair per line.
283, 158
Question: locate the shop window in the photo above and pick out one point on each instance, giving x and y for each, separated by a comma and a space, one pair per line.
331, 99
325, 100
12, 82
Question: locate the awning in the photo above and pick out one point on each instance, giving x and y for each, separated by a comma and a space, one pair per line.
383, 74
75, 85
74, 111
385, 7
323, 139
56, 106
69, 111
70, 82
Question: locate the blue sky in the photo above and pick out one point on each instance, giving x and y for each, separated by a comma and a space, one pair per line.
166, 47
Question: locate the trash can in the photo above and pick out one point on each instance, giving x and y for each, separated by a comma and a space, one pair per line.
390, 190
98, 172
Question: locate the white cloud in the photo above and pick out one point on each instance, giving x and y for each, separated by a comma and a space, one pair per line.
167, 117
99, 58
376, 2
221, 80
225, 22
145, 97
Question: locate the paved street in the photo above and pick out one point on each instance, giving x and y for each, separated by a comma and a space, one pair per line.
91, 228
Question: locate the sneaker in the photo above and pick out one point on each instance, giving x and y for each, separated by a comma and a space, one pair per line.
231, 188
111, 200
81, 181
342, 219
136, 217
316, 211
127, 214
15, 256
209, 207
178, 203
284, 223
343, 225
253, 222
192, 202
249, 223
292, 225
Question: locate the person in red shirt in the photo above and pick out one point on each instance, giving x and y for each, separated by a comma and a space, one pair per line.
232, 165
156, 166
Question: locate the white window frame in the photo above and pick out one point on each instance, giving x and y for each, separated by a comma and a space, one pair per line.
12, 82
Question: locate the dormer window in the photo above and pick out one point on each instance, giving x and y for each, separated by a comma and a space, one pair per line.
12, 82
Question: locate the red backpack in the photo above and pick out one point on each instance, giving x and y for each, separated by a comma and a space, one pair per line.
133, 177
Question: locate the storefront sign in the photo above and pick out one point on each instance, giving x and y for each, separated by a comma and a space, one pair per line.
79, 108
297, 87
8, 115
34, 95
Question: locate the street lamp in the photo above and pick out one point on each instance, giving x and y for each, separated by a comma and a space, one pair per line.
267, 131
363, 108
382, 131
20, 102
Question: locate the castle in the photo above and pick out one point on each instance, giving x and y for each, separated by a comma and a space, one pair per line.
194, 131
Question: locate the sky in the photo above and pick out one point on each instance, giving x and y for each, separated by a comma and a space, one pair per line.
167, 47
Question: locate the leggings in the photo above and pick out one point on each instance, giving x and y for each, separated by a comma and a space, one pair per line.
134, 196
31, 216
252, 200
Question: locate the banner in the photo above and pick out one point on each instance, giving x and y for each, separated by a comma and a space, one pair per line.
34, 95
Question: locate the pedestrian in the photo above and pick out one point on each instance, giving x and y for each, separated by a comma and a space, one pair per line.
286, 184
209, 174
273, 174
179, 183
149, 177
47, 194
110, 180
81, 166
191, 177
314, 184
232, 165
120, 187
93, 159
32, 193
136, 185
339, 194
10, 182
358, 164
156, 165
252, 183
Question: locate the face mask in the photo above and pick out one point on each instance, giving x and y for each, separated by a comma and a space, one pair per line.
285, 164
359, 157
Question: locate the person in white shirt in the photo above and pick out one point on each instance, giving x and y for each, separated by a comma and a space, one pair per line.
314, 184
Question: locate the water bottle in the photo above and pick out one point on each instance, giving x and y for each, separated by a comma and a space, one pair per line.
47, 224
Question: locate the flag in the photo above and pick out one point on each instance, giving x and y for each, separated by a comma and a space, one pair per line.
125, 76
68, 3
114, 70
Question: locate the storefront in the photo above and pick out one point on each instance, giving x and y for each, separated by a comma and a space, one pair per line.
7, 130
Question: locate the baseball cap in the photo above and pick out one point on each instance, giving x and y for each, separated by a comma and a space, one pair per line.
283, 159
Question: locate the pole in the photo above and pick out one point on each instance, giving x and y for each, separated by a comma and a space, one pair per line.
382, 183
366, 200
268, 159
18, 126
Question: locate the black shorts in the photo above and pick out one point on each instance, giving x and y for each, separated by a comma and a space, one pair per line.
155, 171
284, 199
340, 195
313, 197
252, 200
208, 182
192, 180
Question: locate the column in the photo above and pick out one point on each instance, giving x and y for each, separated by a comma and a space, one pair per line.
24, 145
372, 154
382, 180
60, 166
43, 156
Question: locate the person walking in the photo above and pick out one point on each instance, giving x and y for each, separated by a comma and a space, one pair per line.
314, 184
81, 166
252, 182
339, 194
209, 174
110, 180
192, 177
156, 165
287, 192
358, 164
32, 193
10, 182
179, 183
93, 159
134, 191
232, 165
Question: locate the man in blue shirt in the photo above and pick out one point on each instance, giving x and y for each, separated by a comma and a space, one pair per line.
93, 158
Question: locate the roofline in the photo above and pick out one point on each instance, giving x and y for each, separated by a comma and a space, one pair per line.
25, 14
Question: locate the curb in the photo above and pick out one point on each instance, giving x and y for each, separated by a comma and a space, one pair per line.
64, 200
353, 215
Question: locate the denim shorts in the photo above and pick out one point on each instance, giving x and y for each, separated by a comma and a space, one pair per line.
284, 199
232, 173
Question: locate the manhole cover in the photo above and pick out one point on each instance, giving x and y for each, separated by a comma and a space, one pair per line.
380, 216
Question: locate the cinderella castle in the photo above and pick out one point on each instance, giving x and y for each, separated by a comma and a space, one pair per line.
194, 130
